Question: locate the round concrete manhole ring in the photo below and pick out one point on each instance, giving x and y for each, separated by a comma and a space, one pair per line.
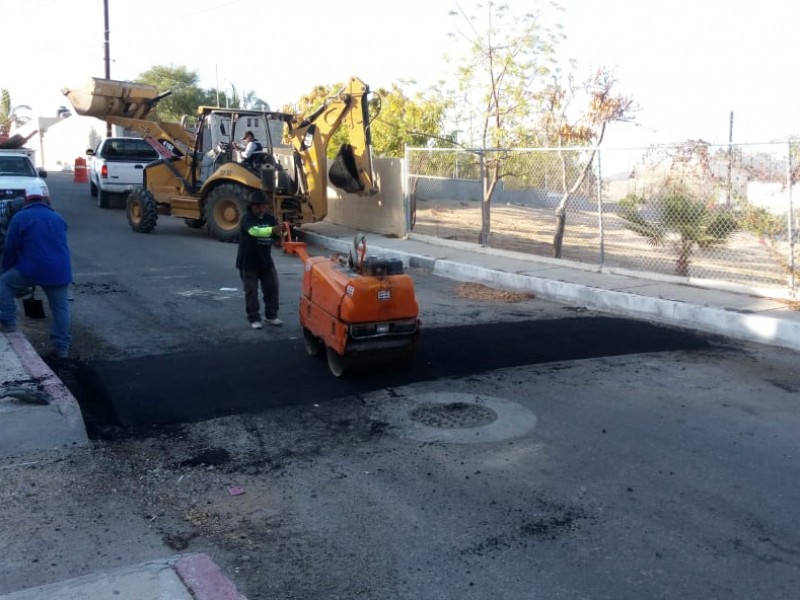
457, 418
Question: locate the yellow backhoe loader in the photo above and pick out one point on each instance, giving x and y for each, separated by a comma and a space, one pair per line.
198, 177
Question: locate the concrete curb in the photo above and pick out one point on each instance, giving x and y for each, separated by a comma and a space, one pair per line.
188, 577
57, 425
759, 328
750, 327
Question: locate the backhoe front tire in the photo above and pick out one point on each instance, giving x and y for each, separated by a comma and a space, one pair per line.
223, 211
142, 210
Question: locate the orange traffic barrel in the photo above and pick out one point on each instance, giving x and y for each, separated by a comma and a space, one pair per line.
81, 174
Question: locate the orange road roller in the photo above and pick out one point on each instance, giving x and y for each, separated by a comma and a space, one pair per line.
362, 310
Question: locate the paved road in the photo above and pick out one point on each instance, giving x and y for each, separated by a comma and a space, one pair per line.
533, 450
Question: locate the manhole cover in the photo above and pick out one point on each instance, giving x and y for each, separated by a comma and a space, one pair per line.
453, 415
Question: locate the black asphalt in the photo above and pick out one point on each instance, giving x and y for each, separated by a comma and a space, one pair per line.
218, 381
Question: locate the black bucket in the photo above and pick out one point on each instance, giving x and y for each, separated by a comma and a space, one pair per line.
33, 307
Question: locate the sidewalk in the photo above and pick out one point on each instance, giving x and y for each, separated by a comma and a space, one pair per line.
57, 423
37, 411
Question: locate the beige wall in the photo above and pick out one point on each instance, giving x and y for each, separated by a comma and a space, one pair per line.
68, 139
383, 213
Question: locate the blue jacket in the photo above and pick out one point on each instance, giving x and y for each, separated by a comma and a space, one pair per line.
36, 246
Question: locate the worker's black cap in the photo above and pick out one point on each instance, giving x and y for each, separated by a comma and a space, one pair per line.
258, 197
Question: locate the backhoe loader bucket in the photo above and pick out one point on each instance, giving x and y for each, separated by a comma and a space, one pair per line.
111, 98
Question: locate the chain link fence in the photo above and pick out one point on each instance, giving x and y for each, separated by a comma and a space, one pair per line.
713, 215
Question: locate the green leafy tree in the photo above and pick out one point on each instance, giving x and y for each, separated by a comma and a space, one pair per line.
10, 115
677, 220
251, 101
397, 121
503, 66
186, 94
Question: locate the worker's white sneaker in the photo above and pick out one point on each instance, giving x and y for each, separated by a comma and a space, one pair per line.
276, 322
256, 325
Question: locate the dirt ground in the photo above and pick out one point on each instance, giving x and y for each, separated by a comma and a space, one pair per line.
745, 260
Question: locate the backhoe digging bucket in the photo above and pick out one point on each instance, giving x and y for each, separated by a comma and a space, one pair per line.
344, 172
111, 98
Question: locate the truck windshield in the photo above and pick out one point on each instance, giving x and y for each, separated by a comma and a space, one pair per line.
16, 166
130, 150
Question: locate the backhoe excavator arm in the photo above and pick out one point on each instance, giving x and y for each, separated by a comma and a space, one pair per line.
352, 170
128, 105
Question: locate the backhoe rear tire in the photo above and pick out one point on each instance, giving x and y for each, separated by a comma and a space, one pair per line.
142, 210
224, 208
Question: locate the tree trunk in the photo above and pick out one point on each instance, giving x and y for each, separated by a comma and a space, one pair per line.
682, 260
561, 209
558, 238
490, 177
486, 222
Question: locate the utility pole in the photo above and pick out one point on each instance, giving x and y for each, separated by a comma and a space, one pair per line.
107, 47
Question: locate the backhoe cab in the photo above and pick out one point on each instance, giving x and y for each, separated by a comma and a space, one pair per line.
199, 178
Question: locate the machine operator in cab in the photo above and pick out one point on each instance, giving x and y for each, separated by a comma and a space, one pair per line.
248, 148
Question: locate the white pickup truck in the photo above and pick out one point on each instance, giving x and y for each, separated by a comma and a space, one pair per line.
116, 166
19, 178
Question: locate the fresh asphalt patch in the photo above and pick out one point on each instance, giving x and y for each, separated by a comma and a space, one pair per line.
233, 379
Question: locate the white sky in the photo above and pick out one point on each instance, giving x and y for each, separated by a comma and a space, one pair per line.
688, 63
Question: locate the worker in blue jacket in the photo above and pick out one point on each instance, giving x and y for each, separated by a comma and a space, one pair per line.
36, 253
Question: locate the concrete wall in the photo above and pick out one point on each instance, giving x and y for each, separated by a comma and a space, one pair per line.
470, 190
68, 139
383, 213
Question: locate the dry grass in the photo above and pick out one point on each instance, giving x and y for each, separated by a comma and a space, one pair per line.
483, 293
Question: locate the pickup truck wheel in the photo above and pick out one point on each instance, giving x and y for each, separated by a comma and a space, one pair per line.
223, 210
93, 189
142, 211
103, 199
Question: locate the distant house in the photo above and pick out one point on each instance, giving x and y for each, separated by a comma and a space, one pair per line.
60, 140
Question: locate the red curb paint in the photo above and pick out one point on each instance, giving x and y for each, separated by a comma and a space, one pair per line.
204, 579
38, 369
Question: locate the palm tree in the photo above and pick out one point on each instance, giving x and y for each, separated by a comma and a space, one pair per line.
10, 115
682, 222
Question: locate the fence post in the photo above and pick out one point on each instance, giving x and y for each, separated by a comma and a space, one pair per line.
404, 176
600, 210
790, 228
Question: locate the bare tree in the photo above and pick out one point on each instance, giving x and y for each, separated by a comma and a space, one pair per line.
603, 106
500, 79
